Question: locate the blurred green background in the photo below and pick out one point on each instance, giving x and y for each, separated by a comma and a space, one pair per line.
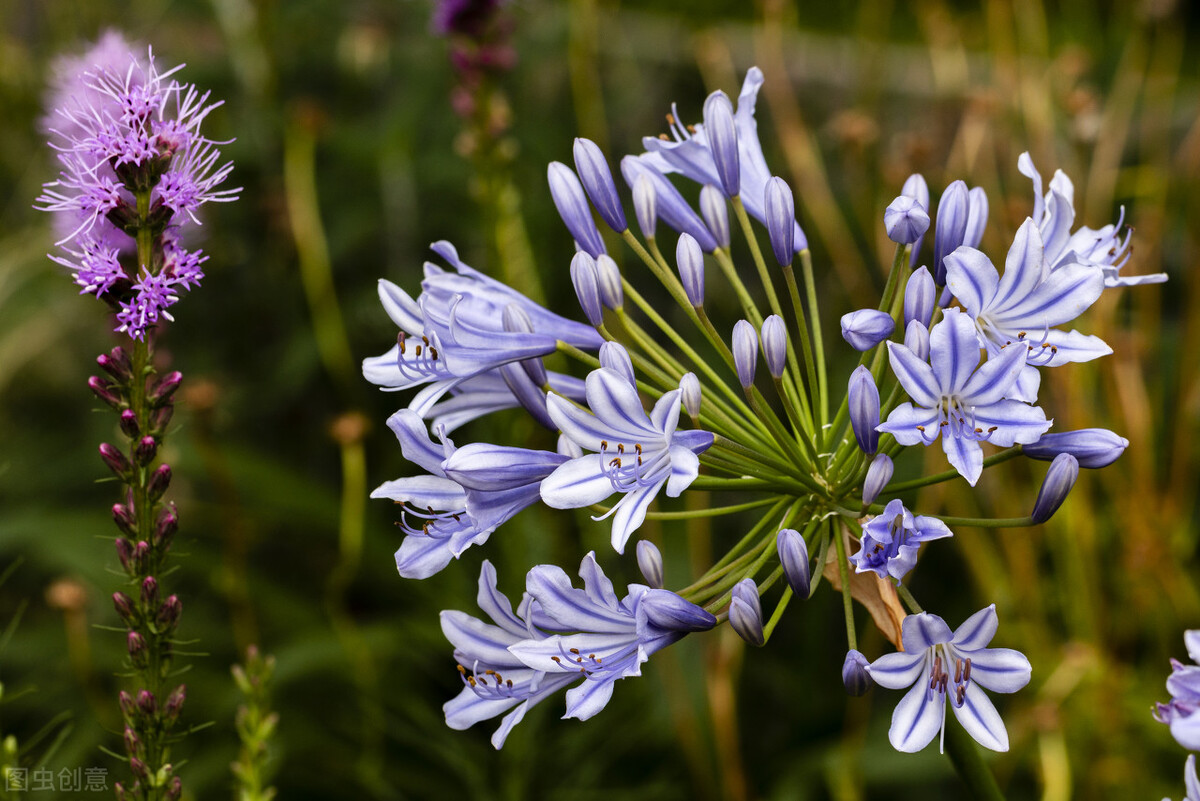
352, 160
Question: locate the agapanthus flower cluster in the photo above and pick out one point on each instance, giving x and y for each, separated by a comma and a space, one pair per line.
953, 353
135, 171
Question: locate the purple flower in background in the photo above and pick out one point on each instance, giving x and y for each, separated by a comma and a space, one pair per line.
959, 399
1091, 447
1189, 780
940, 667
890, 541
865, 328
631, 452
1184, 686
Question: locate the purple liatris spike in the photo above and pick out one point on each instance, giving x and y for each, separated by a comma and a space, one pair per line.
598, 181
866, 328
572, 205
745, 352
690, 261
879, 473
774, 343
714, 207
1091, 447
1060, 478
863, 399
587, 287
780, 210
723, 141
905, 220
891, 540
793, 555
949, 667
745, 612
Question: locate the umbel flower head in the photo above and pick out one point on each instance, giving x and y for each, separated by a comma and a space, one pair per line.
133, 160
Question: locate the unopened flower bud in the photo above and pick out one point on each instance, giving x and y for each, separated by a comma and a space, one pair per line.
105, 391
714, 208
793, 555
175, 789
977, 213
116, 363
169, 612
147, 704
863, 397
587, 288
745, 352
690, 261
854, 673
139, 769
614, 356
117, 461
650, 562
866, 328
166, 525
129, 424
774, 344
952, 214
916, 339
670, 205
905, 220
133, 744
597, 179
165, 388
723, 141
608, 277
919, 297
568, 448
645, 205
160, 417
146, 450
124, 606
149, 590
119, 791
175, 704
1060, 478
780, 209
141, 553
1091, 447
123, 517
160, 479
878, 476
125, 701
572, 206
745, 612
135, 643
516, 320
916, 188
689, 387
124, 552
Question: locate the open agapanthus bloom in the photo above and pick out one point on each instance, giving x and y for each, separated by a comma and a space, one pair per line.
133, 157
559, 636
1180, 713
944, 667
891, 540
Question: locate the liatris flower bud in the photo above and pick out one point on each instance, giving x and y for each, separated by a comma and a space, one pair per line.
116, 363
124, 606
587, 288
105, 392
745, 612
166, 525
125, 701
147, 704
1091, 447
149, 590
866, 328
140, 772
124, 552
863, 397
141, 555
793, 555
160, 479
916, 188
608, 277
174, 705
689, 387
670, 205
133, 744
952, 214
169, 612
572, 206
116, 461
774, 342
977, 215
165, 388
135, 643
916, 339
614, 356
919, 297
854, 673
690, 261
598, 181
715, 210
745, 352
123, 517
645, 205
781, 220
723, 141
878, 476
175, 789
1060, 478
160, 417
905, 220
650, 562
129, 424
146, 449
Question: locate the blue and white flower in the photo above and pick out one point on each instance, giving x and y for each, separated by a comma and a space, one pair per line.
942, 667
890, 541
1180, 713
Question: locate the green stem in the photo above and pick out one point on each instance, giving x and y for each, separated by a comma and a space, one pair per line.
946, 475
844, 573
814, 312
968, 761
